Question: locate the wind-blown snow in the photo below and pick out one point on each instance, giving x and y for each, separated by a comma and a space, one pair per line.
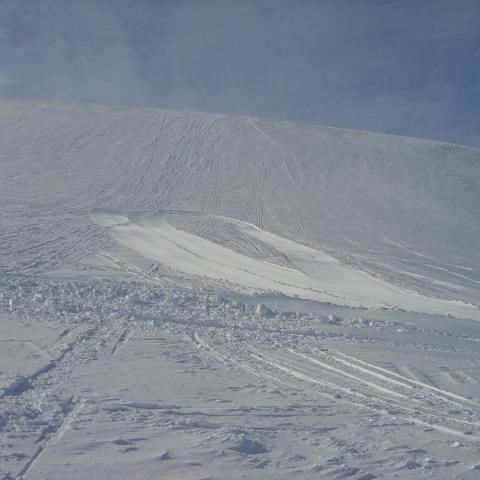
313, 274
188, 295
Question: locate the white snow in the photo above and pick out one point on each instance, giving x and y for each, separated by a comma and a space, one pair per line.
314, 274
192, 296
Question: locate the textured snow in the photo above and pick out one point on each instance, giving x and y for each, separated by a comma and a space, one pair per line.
313, 274
191, 296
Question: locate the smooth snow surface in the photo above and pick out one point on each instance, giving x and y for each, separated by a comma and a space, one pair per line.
313, 274
196, 296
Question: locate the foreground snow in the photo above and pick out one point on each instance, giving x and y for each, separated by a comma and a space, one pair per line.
195, 296
122, 379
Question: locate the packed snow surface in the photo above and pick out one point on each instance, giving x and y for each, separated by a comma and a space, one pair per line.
192, 296
312, 275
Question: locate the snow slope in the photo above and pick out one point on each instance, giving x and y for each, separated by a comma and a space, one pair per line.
403, 207
190, 295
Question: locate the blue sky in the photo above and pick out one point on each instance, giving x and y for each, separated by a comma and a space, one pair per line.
408, 67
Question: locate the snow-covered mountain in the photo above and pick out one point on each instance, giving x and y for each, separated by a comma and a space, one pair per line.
400, 206
246, 245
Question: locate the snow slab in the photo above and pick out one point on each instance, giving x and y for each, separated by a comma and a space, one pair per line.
315, 275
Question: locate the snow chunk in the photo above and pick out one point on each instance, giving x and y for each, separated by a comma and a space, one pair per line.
263, 311
249, 446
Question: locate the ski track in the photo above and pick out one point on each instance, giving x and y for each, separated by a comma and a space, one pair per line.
52, 439
291, 182
413, 404
121, 339
295, 369
301, 370
313, 370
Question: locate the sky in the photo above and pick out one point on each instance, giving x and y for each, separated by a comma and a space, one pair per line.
406, 67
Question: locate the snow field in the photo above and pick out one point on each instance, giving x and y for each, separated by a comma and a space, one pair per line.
189, 383
196, 296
